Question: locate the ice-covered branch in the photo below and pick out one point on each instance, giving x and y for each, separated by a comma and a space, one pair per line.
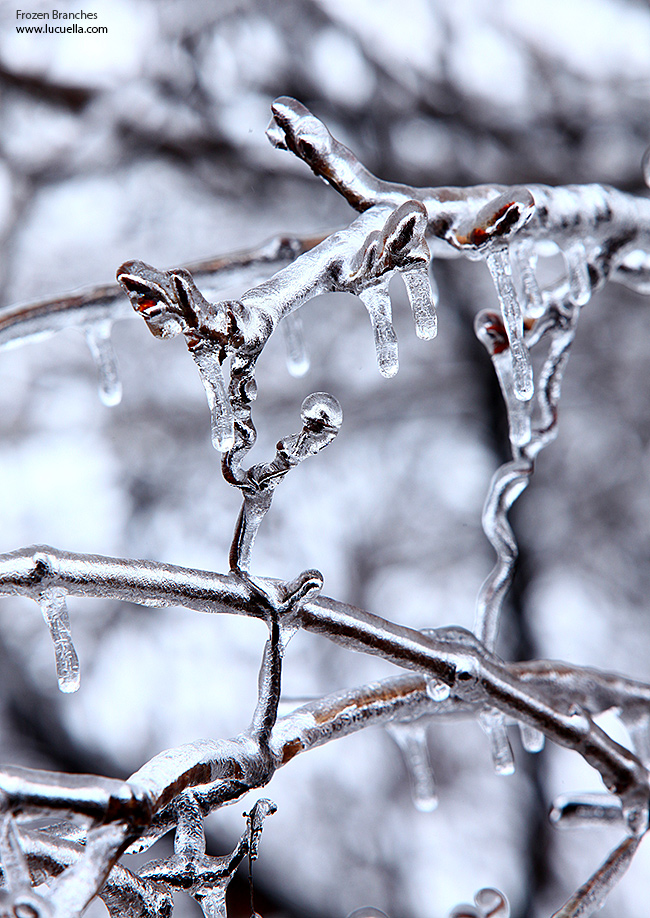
456, 659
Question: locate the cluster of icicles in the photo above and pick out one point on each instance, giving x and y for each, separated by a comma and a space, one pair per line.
527, 315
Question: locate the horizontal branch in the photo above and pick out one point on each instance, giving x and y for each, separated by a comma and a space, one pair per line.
450, 656
107, 302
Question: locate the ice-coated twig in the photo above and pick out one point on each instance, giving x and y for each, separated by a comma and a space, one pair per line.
322, 418
615, 226
453, 657
106, 303
602, 234
592, 894
359, 260
570, 811
558, 323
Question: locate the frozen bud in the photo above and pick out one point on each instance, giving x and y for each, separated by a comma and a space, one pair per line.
320, 409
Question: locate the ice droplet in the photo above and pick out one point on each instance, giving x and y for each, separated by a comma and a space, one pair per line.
575, 257
423, 297
491, 903
297, 356
499, 264
531, 739
438, 691
494, 725
367, 911
98, 338
377, 302
412, 741
322, 408
55, 612
221, 416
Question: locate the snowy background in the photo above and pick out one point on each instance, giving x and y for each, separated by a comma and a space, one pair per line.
148, 142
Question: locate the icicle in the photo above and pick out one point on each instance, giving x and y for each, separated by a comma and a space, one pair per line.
524, 254
575, 257
377, 302
639, 729
494, 725
531, 739
491, 903
499, 265
14, 863
55, 612
490, 331
422, 292
412, 741
297, 356
518, 410
213, 904
645, 165
98, 338
571, 811
221, 416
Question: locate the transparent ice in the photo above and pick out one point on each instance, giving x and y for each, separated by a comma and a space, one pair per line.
98, 337
377, 301
498, 262
55, 612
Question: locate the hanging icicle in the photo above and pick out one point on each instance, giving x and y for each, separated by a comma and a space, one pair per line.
377, 302
98, 338
298, 361
499, 264
411, 737
55, 612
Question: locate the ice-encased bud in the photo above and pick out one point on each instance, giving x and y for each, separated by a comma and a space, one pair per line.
321, 408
